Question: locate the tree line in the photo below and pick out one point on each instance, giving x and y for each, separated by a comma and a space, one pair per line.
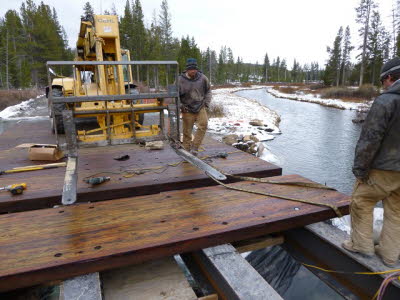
28, 39
33, 35
378, 45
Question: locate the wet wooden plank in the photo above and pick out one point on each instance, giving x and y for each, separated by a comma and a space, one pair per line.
45, 186
49, 244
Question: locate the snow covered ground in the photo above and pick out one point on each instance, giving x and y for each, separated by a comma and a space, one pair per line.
31, 109
238, 112
337, 103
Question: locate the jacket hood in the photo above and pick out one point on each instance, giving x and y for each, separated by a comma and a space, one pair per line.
197, 77
394, 88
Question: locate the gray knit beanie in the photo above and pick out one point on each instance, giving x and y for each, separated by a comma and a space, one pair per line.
390, 67
191, 64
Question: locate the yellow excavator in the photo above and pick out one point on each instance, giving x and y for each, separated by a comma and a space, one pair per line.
101, 70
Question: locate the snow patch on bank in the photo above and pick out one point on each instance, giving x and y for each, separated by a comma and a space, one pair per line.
22, 111
336, 103
344, 223
238, 112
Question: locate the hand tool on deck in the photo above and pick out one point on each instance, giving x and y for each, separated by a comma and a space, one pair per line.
33, 168
97, 180
197, 162
15, 189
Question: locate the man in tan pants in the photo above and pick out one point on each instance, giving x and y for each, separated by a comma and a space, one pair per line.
195, 96
377, 169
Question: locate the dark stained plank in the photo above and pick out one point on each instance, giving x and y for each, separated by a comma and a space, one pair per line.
45, 186
57, 243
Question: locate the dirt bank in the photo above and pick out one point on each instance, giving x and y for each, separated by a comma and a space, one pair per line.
12, 97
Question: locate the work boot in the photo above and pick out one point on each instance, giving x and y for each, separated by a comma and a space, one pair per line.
387, 262
348, 245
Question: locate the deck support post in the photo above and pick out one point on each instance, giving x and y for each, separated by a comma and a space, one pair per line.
231, 275
86, 287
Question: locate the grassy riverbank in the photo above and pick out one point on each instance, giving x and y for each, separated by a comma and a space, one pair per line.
13, 97
361, 94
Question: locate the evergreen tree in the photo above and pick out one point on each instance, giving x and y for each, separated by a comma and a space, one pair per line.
283, 70
346, 50
184, 52
155, 37
375, 39
27, 41
230, 67
221, 71
266, 67
126, 28
166, 30
363, 18
277, 67
139, 32
295, 73
88, 11
332, 70
239, 69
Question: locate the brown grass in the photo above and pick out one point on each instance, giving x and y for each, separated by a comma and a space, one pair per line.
364, 93
215, 111
286, 89
246, 84
223, 86
12, 97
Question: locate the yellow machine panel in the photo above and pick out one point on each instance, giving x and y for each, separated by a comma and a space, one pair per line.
106, 26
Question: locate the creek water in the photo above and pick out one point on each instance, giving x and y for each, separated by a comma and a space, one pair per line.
318, 143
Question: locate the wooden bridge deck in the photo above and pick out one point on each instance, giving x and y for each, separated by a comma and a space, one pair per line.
45, 186
57, 243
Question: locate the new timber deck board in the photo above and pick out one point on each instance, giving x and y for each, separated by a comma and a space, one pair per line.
57, 243
45, 186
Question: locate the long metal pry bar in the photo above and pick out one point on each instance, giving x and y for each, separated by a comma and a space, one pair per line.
69, 193
202, 165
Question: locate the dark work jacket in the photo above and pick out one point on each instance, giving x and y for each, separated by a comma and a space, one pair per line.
379, 143
194, 93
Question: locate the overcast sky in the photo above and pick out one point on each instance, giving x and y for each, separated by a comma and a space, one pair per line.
290, 29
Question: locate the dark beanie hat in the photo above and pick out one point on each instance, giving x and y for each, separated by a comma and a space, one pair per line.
392, 66
191, 64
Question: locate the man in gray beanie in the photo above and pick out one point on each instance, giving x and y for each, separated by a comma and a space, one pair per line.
377, 170
195, 96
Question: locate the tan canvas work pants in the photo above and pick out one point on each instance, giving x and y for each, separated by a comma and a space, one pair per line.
382, 185
201, 121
